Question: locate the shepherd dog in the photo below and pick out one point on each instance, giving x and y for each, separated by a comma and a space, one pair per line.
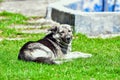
54, 48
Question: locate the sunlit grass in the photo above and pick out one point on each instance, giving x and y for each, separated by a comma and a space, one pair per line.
103, 65
8, 20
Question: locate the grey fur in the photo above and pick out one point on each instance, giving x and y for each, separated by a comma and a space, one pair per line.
54, 48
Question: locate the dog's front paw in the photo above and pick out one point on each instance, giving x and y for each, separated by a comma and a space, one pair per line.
82, 55
58, 62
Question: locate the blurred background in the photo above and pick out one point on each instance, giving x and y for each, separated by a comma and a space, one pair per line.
26, 7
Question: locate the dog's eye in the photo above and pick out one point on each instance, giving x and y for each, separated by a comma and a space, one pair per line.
69, 30
62, 32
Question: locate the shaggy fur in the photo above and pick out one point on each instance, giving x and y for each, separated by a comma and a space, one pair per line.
54, 48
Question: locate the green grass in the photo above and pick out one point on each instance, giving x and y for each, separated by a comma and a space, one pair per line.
1, 1
8, 20
104, 65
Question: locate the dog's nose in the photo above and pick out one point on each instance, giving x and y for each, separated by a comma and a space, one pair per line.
68, 37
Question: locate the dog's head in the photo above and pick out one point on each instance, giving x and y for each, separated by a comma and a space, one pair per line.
62, 33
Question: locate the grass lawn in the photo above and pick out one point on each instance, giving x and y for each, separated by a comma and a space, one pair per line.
104, 65
1, 0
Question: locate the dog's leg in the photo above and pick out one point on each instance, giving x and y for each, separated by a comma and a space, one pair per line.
44, 60
61, 61
49, 61
58, 62
74, 55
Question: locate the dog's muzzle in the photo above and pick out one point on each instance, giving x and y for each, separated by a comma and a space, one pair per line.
68, 39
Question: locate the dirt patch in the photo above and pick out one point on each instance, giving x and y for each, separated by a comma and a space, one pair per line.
14, 39
11, 39
1, 39
42, 22
26, 7
1, 31
1, 17
25, 26
35, 26
104, 36
35, 31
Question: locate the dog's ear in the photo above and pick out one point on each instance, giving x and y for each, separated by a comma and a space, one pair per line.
54, 29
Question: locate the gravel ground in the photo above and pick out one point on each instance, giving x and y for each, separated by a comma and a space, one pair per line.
26, 7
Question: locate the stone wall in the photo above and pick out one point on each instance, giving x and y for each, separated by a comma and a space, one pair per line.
90, 23
97, 23
62, 17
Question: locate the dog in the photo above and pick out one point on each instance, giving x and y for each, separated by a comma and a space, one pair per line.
54, 48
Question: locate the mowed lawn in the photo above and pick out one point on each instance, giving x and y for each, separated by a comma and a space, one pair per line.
103, 65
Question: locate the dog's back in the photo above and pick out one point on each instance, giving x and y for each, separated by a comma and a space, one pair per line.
38, 51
